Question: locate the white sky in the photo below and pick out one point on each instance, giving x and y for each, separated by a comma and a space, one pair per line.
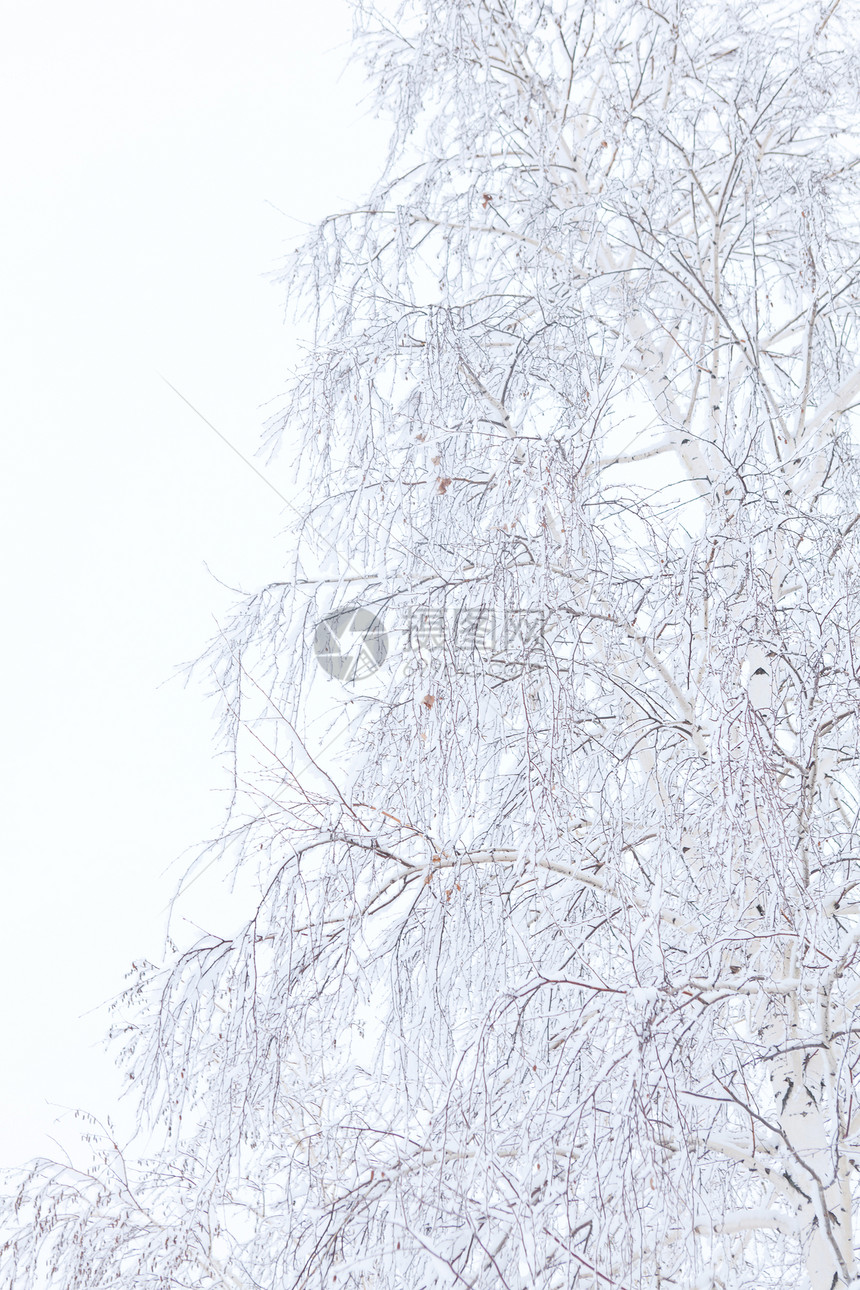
141, 145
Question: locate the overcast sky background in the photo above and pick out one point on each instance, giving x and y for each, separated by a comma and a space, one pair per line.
157, 160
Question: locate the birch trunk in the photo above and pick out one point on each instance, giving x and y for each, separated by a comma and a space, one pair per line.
545, 968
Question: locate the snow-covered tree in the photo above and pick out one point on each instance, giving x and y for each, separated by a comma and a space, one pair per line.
544, 972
